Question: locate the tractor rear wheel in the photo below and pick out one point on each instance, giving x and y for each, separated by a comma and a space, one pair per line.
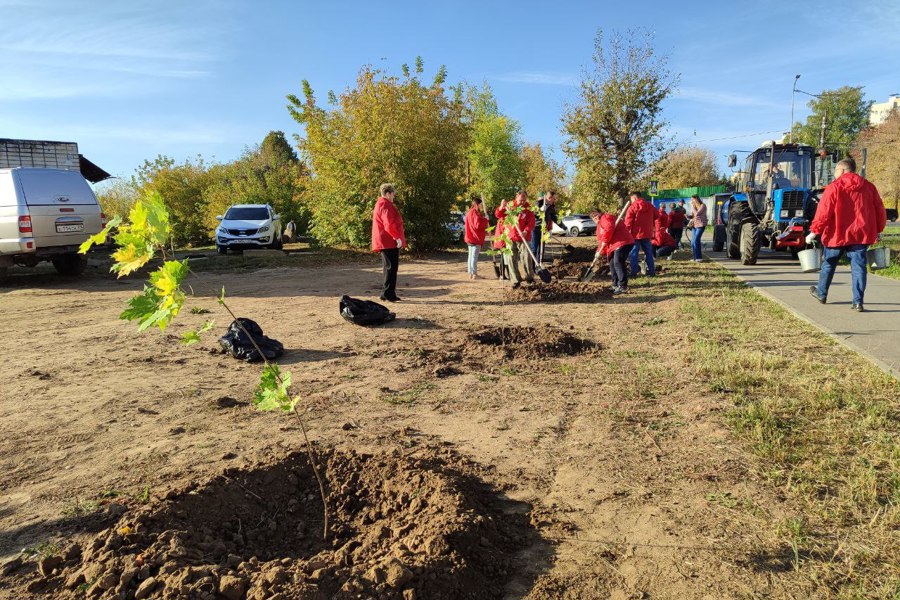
750, 243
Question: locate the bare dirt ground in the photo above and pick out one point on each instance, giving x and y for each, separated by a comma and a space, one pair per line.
610, 466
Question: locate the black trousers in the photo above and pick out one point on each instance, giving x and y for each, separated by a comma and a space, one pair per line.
390, 260
618, 267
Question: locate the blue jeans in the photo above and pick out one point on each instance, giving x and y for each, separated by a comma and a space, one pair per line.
647, 247
535, 242
696, 244
472, 266
830, 258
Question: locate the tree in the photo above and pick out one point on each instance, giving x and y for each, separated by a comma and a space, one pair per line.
542, 173
686, 167
846, 112
385, 129
117, 196
182, 187
615, 130
882, 144
496, 169
270, 173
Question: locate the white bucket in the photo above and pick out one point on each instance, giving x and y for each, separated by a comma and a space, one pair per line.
878, 258
810, 260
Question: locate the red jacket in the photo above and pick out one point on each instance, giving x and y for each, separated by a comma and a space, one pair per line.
640, 218
662, 219
387, 226
476, 226
526, 225
498, 229
677, 219
850, 212
662, 238
611, 235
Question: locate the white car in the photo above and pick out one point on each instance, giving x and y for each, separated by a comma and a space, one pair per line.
247, 226
575, 225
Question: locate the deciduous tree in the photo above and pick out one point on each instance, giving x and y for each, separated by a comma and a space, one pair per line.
615, 130
846, 112
686, 167
385, 129
882, 144
542, 173
495, 167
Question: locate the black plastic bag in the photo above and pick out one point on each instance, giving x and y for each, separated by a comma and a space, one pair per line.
239, 345
365, 312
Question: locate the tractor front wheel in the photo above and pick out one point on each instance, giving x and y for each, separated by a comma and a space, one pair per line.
750, 243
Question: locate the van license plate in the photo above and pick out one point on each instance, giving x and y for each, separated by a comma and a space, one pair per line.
70, 228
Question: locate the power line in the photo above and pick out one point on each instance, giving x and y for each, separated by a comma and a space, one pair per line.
735, 137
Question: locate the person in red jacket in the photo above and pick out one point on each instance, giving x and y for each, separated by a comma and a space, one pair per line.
677, 221
388, 238
476, 223
519, 260
850, 217
499, 244
662, 218
640, 218
663, 243
614, 241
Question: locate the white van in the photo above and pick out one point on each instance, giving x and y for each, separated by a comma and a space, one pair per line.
45, 214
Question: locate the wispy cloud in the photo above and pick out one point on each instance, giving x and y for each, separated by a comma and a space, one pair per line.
70, 50
539, 77
719, 98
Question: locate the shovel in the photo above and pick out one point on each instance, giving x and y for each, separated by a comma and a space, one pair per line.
592, 270
541, 272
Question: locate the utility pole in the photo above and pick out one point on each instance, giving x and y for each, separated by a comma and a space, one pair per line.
822, 131
793, 93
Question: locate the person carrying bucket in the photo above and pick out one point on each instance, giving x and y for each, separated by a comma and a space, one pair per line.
849, 219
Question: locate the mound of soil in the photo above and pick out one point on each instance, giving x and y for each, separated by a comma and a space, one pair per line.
400, 529
559, 291
532, 342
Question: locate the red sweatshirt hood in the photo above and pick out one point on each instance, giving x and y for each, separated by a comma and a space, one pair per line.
849, 182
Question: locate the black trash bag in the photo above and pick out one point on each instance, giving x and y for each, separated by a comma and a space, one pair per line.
365, 312
239, 345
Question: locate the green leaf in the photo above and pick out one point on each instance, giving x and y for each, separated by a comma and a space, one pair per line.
222, 296
157, 218
100, 238
272, 391
190, 337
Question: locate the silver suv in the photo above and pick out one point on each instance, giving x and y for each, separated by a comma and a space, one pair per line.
246, 226
45, 214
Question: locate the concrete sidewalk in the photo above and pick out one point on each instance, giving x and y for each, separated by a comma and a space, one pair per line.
875, 333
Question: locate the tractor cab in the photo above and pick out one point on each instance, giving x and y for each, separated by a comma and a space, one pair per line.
775, 200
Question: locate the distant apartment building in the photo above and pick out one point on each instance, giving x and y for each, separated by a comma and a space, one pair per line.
880, 111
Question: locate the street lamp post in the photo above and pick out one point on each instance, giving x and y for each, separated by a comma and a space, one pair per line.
793, 93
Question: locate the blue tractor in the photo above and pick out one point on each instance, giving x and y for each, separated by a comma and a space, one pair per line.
775, 201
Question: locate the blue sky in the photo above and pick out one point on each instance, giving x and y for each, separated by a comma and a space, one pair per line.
130, 80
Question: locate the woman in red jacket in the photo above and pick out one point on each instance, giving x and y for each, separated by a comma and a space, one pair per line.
476, 223
388, 238
614, 241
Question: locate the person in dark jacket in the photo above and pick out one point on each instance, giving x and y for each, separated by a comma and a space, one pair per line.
850, 218
388, 238
476, 223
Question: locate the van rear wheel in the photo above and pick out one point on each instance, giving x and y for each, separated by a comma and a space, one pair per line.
70, 265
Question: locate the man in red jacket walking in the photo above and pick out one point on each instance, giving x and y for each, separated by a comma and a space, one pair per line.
640, 219
388, 238
850, 217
